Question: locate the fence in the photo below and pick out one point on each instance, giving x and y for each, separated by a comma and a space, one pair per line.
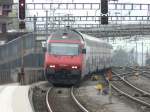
23, 51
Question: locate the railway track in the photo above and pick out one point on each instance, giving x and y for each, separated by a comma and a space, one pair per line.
63, 100
146, 74
131, 91
143, 71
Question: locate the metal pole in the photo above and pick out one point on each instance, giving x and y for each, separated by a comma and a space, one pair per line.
34, 35
136, 54
142, 52
116, 16
110, 92
53, 19
35, 19
68, 19
59, 20
34, 38
46, 25
22, 54
22, 62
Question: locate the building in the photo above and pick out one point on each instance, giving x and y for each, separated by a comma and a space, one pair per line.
5, 8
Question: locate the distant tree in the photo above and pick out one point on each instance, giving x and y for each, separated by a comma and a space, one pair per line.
120, 58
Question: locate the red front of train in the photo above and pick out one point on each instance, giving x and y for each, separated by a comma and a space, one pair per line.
64, 57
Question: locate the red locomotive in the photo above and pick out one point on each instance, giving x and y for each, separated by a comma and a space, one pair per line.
70, 55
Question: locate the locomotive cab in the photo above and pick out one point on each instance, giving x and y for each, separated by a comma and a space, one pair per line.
63, 58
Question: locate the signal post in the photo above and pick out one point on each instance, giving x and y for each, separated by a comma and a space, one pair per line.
22, 26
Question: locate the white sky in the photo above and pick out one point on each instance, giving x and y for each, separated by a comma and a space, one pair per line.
86, 1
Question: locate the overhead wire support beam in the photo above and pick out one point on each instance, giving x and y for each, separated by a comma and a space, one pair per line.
85, 6
102, 34
91, 18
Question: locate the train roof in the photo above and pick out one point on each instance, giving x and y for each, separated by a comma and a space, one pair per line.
66, 34
95, 41
75, 35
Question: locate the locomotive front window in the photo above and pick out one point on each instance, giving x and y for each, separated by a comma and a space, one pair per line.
63, 49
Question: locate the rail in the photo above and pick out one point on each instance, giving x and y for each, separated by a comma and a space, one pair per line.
47, 102
127, 82
77, 102
130, 96
80, 106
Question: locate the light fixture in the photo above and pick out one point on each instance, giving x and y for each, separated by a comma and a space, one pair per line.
74, 67
52, 66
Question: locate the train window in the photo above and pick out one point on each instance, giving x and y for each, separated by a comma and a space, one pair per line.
63, 49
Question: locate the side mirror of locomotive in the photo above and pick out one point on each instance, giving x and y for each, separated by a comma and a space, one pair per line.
84, 51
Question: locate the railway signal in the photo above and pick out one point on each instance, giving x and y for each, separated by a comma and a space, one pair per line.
22, 14
104, 11
22, 9
104, 6
104, 19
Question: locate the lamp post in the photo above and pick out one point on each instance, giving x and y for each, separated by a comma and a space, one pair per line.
46, 27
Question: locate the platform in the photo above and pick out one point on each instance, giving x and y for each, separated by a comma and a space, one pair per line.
14, 98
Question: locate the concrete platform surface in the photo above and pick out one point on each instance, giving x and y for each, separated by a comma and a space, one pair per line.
14, 98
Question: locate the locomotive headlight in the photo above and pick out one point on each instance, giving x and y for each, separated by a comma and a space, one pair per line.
74, 67
52, 66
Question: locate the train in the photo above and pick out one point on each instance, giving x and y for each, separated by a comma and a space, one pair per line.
71, 55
